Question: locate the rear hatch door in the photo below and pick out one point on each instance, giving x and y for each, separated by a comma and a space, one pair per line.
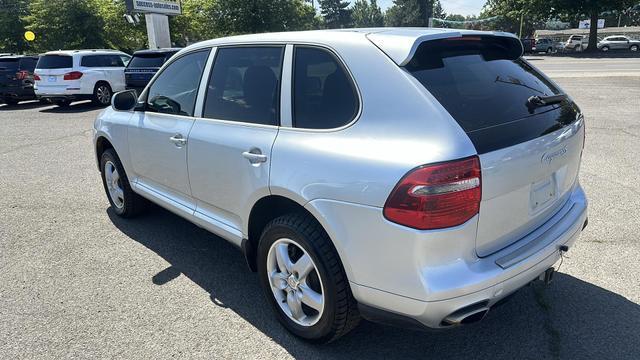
142, 67
529, 150
8, 70
51, 69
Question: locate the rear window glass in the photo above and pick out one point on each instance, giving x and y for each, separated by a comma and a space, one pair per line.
143, 61
8, 64
28, 64
481, 82
55, 62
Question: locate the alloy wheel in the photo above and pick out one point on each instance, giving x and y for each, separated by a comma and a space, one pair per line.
295, 282
103, 94
114, 184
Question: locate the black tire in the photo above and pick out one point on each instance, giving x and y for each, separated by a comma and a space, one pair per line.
549, 50
340, 314
10, 101
102, 94
634, 48
132, 204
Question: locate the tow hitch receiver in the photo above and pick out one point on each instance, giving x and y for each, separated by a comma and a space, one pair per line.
547, 276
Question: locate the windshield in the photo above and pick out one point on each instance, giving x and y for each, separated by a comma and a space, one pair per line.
55, 62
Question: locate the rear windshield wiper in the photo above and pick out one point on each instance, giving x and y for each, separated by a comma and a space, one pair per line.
540, 101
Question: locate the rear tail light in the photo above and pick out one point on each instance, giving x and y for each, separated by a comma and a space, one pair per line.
36, 77
437, 196
74, 75
21, 75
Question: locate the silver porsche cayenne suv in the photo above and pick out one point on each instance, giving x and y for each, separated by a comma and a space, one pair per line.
405, 176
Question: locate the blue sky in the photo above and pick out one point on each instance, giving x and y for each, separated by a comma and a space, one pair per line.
464, 7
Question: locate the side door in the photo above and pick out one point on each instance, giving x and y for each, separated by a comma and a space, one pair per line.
230, 146
114, 68
158, 134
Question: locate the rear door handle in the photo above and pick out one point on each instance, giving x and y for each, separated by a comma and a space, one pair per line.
178, 140
255, 156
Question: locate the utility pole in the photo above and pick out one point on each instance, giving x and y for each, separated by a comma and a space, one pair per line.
521, 24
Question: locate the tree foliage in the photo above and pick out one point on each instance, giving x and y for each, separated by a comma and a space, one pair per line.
367, 14
410, 13
241, 16
12, 25
336, 14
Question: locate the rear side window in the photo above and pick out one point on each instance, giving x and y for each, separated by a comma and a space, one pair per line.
147, 61
244, 85
101, 61
55, 62
174, 91
477, 81
324, 97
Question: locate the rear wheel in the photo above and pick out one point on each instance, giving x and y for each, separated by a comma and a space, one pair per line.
11, 101
304, 281
633, 48
605, 48
102, 94
548, 50
123, 200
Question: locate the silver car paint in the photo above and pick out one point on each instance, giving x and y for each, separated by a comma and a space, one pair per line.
343, 177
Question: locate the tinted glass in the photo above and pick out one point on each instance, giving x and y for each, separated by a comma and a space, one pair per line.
478, 83
144, 61
28, 64
323, 95
55, 62
175, 89
244, 85
101, 61
9, 64
485, 85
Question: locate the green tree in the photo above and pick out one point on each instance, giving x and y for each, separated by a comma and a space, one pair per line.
335, 13
533, 13
438, 11
367, 14
12, 25
410, 13
241, 16
195, 24
66, 24
118, 34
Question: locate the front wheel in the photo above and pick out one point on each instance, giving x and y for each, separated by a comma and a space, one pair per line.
634, 48
304, 281
124, 202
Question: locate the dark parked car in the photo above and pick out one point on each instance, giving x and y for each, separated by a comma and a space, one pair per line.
16, 78
544, 45
527, 45
144, 64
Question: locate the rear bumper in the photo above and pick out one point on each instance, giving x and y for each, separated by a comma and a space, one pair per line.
428, 276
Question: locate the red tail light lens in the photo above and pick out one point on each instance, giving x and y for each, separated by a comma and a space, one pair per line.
74, 75
437, 196
21, 75
36, 77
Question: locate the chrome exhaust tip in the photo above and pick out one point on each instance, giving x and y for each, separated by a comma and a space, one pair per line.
467, 315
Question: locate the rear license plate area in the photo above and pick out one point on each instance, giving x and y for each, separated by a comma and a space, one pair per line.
543, 194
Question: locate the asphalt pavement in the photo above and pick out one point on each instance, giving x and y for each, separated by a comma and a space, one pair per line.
78, 282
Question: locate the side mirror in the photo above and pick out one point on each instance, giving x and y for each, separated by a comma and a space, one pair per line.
124, 100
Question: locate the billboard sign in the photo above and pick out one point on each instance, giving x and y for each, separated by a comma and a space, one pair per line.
166, 7
586, 24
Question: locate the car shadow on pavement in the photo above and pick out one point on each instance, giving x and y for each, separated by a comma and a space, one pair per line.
24, 105
76, 107
570, 318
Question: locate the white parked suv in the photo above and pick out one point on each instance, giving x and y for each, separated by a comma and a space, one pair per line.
408, 176
65, 76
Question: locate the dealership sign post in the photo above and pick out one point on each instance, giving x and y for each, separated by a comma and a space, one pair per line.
157, 14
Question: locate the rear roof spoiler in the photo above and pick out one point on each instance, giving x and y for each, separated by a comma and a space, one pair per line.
401, 44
